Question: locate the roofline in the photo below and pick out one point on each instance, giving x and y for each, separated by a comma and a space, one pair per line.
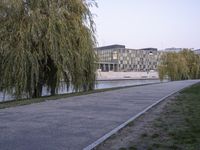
115, 46
150, 48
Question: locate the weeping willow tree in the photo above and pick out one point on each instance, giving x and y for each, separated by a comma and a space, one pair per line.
180, 66
192, 62
43, 42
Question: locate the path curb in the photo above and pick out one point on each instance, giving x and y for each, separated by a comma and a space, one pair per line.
109, 134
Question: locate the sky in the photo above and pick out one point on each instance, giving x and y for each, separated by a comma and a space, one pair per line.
148, 23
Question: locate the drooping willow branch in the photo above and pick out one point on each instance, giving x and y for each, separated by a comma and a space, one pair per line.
180, 66
43, 42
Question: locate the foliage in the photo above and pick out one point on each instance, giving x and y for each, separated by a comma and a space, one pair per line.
43, 42
180, 66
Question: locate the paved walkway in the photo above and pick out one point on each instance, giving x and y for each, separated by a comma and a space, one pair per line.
76, 122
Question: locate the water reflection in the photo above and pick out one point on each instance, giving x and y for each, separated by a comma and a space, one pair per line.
99, 85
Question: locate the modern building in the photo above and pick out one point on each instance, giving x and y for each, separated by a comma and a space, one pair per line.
197, 51
173, 49
120, 58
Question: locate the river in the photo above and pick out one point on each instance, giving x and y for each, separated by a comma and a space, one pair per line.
99, 85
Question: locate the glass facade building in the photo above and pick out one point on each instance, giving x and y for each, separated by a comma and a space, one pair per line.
119, 58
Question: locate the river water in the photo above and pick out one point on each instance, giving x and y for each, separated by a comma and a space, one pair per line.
99, 85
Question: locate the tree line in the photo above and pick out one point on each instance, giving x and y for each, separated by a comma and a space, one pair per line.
181, 65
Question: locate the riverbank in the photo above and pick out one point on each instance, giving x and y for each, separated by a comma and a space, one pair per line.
21, 102
99, 85
104, 80
127, 75
173, 124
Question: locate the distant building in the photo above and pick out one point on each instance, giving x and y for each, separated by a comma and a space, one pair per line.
173, 49
119, 58
197, 51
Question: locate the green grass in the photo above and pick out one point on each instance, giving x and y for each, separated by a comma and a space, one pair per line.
21, 102
178, 126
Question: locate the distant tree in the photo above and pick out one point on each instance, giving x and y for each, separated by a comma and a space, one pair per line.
193, 63
43, 42
180, 66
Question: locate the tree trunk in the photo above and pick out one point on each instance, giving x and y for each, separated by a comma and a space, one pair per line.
37, 91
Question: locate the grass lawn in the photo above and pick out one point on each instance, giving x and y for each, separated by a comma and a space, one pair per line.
177, 127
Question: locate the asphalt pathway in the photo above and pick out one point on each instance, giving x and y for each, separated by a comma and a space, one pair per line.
76, 122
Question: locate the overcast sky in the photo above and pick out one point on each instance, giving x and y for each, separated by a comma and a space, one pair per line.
148, 23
